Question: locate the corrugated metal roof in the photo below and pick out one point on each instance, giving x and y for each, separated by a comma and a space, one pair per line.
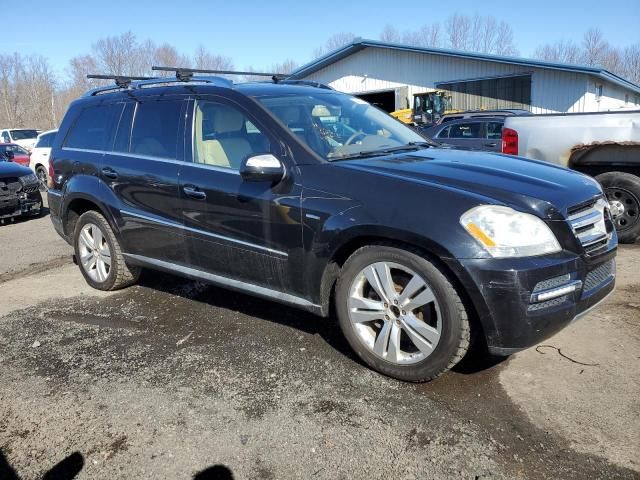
360, 44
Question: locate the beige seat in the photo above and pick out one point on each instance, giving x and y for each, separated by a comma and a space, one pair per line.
230, 145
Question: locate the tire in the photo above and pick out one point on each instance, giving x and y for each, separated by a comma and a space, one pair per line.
443, 320
118, 274
624, 188
42, 175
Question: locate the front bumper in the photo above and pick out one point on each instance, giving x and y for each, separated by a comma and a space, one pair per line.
525, 301
20, 203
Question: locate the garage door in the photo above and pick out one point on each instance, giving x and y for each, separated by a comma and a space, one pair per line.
490, 93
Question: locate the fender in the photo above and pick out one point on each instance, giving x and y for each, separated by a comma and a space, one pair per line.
342, 233
92, 189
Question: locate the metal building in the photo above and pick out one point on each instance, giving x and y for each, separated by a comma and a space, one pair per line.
389, 74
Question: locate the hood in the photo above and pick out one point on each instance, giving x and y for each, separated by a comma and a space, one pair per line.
526, 185
12, 169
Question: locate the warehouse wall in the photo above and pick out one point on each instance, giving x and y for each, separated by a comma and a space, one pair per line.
552, 91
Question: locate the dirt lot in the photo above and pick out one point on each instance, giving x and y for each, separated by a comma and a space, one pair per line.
173, 377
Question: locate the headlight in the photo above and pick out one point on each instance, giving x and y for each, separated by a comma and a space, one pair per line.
28, 179
504, 232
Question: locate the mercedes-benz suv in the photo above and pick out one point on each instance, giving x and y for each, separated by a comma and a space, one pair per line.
313, 198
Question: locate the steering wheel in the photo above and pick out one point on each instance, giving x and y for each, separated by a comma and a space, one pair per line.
353, 137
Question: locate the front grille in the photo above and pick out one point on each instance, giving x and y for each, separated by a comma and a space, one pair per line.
587, 221
31, 188
9, 186
599, 275
552, 283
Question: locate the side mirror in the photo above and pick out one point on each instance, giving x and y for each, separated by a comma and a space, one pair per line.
262, 168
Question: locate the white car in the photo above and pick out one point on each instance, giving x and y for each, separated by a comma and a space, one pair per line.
25, 137
39, 161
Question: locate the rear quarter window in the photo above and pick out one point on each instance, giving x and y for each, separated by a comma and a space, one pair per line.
94, 128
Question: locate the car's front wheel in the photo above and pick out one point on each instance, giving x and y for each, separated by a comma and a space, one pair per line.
99, 255
400, 313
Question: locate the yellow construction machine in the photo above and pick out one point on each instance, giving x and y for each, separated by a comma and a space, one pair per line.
427, 108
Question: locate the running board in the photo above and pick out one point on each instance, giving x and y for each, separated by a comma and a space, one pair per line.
225, 282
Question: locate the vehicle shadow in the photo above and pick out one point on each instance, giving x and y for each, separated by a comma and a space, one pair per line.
477, 359
71, 466
217, 297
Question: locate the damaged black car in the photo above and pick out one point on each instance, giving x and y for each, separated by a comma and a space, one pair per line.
19, 191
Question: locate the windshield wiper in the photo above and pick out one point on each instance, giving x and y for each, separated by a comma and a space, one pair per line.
382, 151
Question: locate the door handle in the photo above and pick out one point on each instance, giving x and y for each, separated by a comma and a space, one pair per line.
493, 144
109, 173
193, 192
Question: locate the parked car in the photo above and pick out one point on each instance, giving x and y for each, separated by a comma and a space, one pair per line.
15, 153
604, 145
25, 137
506, 112
478, 133
19, 192
250, 187
39, 160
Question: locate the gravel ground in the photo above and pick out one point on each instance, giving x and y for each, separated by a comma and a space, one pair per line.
172, 377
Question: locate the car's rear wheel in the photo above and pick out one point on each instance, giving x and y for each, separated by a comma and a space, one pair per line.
400, 313
99, 255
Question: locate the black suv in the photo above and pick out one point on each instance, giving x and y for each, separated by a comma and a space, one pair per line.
314, 198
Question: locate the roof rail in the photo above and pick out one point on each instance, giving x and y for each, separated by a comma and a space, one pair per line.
186, 72
308, 83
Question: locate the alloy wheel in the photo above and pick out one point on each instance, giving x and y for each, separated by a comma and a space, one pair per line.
95, 254
394, 313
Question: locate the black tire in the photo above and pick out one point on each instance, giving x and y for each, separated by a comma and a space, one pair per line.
625, 188
42, 175
120, 274
455, 329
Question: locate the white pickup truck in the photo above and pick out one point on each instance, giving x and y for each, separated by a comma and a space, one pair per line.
605, 145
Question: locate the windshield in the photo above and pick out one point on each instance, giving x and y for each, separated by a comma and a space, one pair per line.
23, 134
336, 126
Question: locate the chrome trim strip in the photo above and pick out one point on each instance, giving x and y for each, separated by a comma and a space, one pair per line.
202, 232
580, 220
84, 150
157, 159
227, 282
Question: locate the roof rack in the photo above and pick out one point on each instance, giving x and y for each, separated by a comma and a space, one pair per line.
184, 75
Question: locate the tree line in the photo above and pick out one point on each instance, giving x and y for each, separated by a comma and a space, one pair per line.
32, 95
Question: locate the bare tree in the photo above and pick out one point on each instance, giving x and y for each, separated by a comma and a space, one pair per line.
458, 31
27, 88
425, 36
563, 51
594, 46
334, 42
631, 63
390, 34
504, 44
204, 59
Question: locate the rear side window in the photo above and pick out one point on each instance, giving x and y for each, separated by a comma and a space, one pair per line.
494, 130
45, 140
465, 130
156, 128
94, 128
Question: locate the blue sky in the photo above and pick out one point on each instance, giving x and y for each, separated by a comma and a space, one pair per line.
259, 33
